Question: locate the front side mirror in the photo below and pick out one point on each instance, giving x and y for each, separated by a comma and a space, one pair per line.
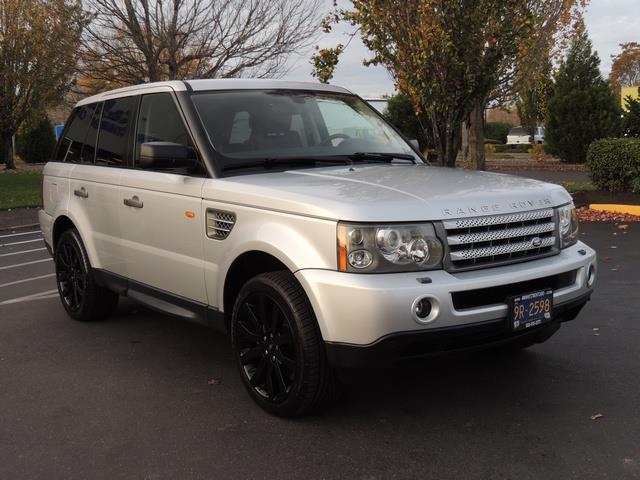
163, 155
415, 144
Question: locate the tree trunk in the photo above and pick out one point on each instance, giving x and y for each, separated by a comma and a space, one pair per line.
7, 150
476, 135
465, 141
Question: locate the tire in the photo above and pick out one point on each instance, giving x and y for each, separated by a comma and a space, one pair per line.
278, 347
83, 299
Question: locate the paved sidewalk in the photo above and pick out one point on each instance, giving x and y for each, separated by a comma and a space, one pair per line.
18, 217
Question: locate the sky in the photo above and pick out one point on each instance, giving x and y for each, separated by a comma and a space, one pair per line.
609, 23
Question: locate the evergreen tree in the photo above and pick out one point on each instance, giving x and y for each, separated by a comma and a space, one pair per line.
583, 108
36, 141
402, 115
631, 122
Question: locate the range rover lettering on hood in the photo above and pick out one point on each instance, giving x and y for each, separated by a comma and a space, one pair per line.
496, 208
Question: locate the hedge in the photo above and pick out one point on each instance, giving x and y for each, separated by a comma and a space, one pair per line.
614, 164
514, 148
497, 131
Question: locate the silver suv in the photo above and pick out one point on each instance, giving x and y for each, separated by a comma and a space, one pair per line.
295, 218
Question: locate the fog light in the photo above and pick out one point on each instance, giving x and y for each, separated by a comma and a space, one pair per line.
591, 276
423, 308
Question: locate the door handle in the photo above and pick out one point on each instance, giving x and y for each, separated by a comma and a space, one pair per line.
82, 192
134, 202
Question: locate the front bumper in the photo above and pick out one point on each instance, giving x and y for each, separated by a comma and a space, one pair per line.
360, 310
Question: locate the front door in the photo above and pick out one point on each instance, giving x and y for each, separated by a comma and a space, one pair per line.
161, 210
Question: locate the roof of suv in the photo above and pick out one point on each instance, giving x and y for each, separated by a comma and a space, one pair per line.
212, 84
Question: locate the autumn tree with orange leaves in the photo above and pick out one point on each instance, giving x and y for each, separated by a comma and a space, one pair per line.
451, 57
625, 69
39, 44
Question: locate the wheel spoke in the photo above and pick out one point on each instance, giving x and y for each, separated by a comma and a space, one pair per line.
279, 378
76, 299
251, 354
252, 316
247, 334
285, 338
276, 317
259, 373
270, 389
262, 312
286, 361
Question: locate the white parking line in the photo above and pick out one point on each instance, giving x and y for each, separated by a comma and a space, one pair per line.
20, 243
35, 296
26, 263
27, 280
18, 234
23, 251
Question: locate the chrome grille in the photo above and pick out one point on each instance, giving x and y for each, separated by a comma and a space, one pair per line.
219, 223
498, 239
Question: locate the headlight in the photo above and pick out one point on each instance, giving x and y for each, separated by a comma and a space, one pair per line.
388, 248
568, 225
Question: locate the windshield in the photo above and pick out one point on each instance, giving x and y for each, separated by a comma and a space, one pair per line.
250, 125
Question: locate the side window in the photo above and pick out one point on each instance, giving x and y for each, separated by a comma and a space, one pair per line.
72, 141
160, 121
114, 130
89, 148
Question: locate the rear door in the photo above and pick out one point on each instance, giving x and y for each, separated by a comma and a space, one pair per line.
161, 210
95, 179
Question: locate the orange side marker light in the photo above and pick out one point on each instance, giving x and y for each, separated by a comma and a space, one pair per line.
189, 214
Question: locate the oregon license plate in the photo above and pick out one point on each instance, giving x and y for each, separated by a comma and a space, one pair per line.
530, 310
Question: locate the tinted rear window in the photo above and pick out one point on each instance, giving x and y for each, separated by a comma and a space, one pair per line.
75, 135
114, 130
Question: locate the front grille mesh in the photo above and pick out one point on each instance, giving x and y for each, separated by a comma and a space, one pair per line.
219, 223
497, 239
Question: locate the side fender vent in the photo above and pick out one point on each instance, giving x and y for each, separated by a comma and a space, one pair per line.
219, 223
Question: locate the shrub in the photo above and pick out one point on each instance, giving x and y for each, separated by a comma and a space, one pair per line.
614, 164
537, 152
631, 121
401, 114
519, 148
497, 131
36, 141
582, 108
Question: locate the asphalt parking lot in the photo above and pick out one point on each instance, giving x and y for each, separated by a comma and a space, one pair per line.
130, 397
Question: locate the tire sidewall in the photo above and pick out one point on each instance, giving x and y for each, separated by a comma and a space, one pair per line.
72, 236
296, 398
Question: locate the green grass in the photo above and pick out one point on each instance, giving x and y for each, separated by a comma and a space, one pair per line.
19, 190
574, 187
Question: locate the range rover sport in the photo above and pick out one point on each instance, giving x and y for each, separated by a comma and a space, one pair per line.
293, 217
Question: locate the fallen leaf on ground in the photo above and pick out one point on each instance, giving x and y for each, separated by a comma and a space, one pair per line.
615, 269
596, 416
606, 259
215, 381
623, 227
585, 214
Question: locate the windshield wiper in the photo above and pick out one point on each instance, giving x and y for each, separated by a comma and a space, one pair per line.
271, 162
382, 157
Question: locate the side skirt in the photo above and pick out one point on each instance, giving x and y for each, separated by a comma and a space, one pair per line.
163, 301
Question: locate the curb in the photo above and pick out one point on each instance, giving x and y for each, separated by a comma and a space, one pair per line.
615, 208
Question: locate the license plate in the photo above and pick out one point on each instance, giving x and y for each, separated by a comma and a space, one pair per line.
530, 310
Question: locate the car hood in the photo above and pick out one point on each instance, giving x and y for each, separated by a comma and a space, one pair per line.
387, 193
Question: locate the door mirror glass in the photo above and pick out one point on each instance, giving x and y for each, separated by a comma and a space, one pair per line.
166, 155
414, 143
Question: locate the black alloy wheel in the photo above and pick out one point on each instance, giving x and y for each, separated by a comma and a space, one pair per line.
278, 346
71, 275
82, 297
266, 350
